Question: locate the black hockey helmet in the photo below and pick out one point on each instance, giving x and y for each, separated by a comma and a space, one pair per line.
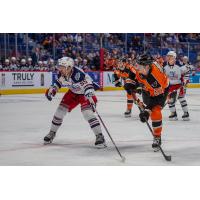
144, 59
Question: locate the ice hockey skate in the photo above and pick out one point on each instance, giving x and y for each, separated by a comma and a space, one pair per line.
100, 141
185, 116
127, 113
49, 137
156, 143
173, 116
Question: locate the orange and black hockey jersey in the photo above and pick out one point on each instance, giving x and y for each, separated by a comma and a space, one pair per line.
128, 73
155, 82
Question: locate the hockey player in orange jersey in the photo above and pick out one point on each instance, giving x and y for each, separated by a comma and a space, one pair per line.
127, 73
155, 90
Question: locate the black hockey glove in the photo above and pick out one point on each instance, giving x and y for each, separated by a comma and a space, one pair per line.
118, 84
144, 115
139, 90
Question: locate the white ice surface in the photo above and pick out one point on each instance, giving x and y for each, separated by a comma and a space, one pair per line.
25, 120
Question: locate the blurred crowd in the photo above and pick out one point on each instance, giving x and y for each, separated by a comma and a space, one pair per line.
84, 48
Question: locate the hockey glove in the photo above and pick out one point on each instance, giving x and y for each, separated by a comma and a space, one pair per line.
89, 93
139, 90
118, 84
144, 116
51, 92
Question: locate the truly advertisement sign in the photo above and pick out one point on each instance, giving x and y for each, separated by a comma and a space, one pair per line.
22, 79
19, 80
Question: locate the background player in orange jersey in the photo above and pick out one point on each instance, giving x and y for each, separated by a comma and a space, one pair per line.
123, 70
155, 90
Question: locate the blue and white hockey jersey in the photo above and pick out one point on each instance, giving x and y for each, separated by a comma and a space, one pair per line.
78, 82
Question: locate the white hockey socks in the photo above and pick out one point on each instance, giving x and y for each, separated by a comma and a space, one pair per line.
92, 120
58, 118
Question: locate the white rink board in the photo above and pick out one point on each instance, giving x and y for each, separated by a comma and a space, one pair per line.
108, 79
25, 120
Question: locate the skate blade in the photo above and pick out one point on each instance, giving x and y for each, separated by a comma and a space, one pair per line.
46, 143
186, 119
127, 116
101, 146
156, 149
173, 119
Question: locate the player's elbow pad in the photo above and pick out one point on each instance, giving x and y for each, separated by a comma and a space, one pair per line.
58, 84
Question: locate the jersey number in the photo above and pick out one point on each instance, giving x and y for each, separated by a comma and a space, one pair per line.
84, 82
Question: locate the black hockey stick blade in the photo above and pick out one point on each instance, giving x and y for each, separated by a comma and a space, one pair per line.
167, 157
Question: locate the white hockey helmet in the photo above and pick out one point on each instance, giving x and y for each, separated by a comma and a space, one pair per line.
23, 61
66, 62
171, 53
45, 63
7, 61
13, 59
29, 59
40, 62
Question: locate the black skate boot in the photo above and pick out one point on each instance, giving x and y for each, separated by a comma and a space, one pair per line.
185, 116
156, 143
173, 116
100, 141
49, 138
127, 113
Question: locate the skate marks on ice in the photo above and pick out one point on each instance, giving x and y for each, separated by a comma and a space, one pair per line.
137, 152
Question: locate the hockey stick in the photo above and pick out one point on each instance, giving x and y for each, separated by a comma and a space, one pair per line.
93, 106
167, 157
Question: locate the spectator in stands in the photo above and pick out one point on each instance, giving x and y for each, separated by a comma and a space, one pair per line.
63, 53
72, 45
96, 62
180, 60
48, 42
78, 38
109, 63
76, 62
159, 59
198, 56
84, 65
36, 56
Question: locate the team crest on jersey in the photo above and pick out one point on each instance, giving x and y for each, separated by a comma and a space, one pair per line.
154, 84
77, 76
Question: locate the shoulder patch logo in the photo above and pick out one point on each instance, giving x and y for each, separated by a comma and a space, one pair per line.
77, 76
